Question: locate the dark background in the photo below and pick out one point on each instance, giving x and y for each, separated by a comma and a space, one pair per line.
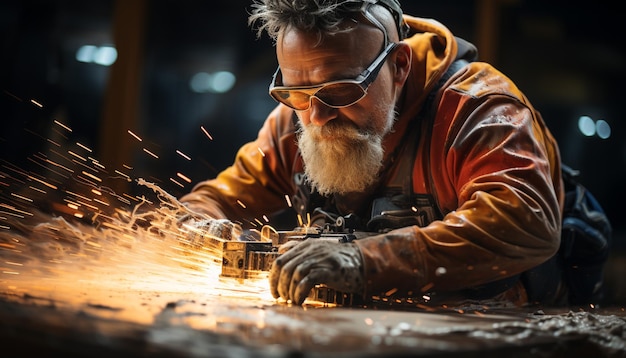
569, 60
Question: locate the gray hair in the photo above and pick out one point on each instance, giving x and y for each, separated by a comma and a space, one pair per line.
321, 17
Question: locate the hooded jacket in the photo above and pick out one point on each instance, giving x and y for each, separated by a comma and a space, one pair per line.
487, 158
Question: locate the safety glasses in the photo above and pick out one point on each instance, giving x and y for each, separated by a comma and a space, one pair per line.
335, 94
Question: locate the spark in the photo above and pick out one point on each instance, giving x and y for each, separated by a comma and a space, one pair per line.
266, 218
84, 147
62, 125
12, 95
76, 155
14, 209
47, 168
72, 205
134, 135
288, 200
37, 189
77, 195
183, 154
130, 197
391, 292
53, 142
122, 174
36, 103
43, 182
96, 163
149, 152
84, 165
22, 197
101, 202
176, 182
183, 177
261, 151
241, 204
92, 207
59, 165
127, 202
206, 133
114, 251
91, 176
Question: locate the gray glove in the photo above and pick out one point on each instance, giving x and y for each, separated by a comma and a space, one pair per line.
199, 231
311, 262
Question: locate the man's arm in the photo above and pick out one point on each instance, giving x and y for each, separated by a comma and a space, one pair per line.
494, 182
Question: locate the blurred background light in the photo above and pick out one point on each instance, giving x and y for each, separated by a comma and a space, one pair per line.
586, 126
85, 53
222, 81
218, 82
603, 129
104, 55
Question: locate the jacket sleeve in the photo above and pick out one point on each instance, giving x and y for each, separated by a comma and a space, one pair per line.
496, 170
257, 181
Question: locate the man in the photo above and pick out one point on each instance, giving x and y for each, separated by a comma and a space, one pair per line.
458, 177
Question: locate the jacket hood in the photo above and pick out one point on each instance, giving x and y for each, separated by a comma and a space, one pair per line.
434, 49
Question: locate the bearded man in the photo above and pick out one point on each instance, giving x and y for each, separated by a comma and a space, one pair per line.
387, 119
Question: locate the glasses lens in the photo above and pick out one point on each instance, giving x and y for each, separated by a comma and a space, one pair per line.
293, 98
340, 94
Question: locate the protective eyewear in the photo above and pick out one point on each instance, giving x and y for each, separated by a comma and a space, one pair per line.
335, 94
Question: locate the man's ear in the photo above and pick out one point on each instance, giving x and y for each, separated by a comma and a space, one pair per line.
402, 63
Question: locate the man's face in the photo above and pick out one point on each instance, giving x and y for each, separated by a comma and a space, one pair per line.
341, 147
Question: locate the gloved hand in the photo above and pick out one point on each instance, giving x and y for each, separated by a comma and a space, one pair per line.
311, 262
201, 230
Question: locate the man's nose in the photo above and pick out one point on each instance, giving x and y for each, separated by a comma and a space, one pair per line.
321, 113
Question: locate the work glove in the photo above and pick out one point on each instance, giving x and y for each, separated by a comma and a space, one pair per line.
316, 262
199, 231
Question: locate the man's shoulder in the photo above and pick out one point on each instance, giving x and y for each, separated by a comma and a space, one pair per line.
480, 79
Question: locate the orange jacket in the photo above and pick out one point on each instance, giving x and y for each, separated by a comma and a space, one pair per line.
493, 164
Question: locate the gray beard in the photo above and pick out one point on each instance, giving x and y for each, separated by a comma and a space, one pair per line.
347, 162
